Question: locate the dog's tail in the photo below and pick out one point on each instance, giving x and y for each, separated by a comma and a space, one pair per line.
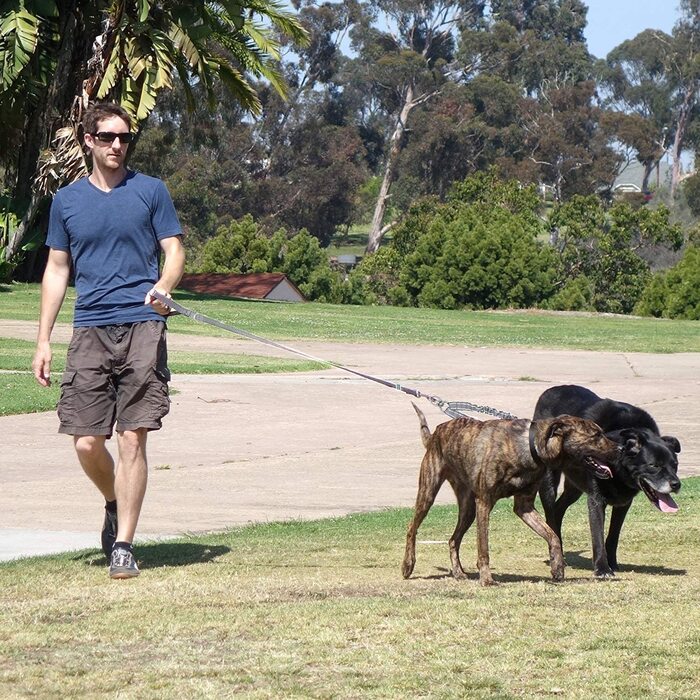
424, 430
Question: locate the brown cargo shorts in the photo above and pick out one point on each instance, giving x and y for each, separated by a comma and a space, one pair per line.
115, 374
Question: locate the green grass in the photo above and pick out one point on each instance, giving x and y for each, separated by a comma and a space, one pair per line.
319, 610
531, 329
20, 393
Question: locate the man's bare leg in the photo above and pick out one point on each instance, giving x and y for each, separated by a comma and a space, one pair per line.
97, 462
130, 481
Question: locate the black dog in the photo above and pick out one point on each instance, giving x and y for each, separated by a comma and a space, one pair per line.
647, 463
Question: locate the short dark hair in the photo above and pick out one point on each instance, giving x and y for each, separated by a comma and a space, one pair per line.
104, 110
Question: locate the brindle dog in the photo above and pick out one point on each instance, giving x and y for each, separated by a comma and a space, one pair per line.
485, 461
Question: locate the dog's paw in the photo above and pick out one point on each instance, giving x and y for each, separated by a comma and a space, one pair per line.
605, 574
487, 581
459, 574
407, 569
558, 575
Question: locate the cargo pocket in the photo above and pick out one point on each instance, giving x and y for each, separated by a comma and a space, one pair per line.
160, 392
66, 402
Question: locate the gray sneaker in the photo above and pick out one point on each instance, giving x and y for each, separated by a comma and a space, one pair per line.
122, 564
109, 533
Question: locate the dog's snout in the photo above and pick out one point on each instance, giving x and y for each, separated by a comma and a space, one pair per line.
675, 484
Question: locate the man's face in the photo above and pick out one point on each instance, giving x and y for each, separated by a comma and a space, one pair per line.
108, 154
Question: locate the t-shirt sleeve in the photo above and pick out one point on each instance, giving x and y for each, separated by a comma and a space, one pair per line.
164, 217
57, 236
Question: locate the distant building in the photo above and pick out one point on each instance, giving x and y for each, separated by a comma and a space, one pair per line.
271, 286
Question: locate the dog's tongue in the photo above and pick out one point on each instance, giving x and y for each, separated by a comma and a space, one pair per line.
665, 503
603, 471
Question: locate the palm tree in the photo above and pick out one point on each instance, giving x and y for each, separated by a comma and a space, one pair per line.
56, 56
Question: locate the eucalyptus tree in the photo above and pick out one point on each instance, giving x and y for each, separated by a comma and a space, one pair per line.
534, 43
538, 48
404, 57
58, 55
684, 66
634, 81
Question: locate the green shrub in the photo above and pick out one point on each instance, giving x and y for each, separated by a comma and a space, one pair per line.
675, 293
654, 298
691, 190
375, 278
480, 254
238, 248
575, 295
602, 245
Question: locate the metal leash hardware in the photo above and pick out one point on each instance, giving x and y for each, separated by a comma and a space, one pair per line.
453, 409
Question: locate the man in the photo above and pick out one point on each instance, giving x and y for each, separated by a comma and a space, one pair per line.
112, 225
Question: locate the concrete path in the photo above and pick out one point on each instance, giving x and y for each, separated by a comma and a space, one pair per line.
252, 448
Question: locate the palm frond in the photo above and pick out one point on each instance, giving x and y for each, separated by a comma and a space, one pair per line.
238, 86
164, 54
112, 71
184, 44
265, 43
19, 38
137, 58
278, 15
63, 163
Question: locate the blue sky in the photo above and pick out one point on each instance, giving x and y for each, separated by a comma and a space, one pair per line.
610, 22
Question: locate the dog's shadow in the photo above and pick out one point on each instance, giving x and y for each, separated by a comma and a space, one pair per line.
473, 576
581, 562
154, 555
572, 559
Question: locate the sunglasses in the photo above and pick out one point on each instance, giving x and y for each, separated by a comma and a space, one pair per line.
110, 136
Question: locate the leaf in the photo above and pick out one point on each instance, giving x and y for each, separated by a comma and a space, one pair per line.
184, 44
20, 31
109, 79
136, 59
147, 96
239, 87
164, 60
263, 40
144, 7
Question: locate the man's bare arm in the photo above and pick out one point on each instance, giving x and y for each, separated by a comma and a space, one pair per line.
173, 267
53, 292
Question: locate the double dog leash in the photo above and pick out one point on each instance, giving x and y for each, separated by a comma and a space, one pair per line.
454, 409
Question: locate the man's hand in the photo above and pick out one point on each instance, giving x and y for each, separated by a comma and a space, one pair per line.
41, 364
158, 305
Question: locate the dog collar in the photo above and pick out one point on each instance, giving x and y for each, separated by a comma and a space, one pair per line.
533, 449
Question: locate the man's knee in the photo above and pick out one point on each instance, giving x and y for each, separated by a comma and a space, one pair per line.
89, 446
132, 441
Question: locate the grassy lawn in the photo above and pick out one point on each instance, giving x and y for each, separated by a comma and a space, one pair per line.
532, 329
319, 610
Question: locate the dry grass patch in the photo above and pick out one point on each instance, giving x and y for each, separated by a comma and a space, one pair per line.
319, 610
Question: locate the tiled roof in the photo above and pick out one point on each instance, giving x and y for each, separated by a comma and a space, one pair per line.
252, 286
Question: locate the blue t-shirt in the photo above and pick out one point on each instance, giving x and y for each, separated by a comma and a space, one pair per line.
112, 238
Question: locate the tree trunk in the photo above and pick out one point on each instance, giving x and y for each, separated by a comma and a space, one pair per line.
681, 127
376, 233
648, 170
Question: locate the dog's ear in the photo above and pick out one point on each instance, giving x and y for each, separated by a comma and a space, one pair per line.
632, 441
672, 443
557, 429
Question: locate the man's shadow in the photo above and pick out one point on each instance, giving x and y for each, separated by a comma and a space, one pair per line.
153, 555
